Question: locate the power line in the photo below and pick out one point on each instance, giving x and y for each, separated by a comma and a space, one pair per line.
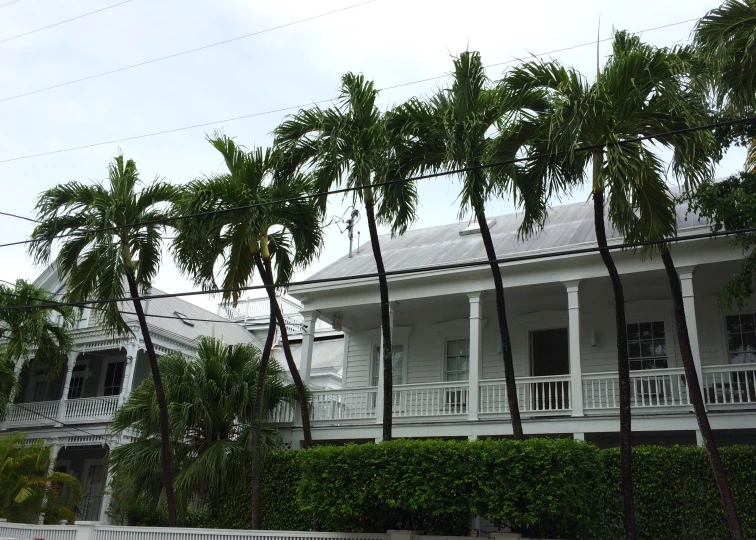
8, 214
64, 22
9, 3
401, 272
273, 111
163, 221
182, 53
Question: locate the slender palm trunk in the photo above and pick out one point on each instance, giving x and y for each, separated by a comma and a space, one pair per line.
304, 406
388, 359
623, 363
696, 397
257, 458
501, 312
165, 449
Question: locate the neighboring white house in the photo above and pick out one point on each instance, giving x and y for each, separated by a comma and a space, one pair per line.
72, 411
447, 360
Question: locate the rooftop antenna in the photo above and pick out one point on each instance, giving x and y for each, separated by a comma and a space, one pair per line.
350, 223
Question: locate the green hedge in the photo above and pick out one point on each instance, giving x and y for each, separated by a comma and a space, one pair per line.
557, 488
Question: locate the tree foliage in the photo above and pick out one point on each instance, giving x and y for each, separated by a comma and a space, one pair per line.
28, 488
210, 401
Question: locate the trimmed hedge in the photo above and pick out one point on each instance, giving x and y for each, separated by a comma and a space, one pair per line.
557, 488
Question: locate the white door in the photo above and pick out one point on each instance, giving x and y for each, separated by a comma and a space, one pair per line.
93, 486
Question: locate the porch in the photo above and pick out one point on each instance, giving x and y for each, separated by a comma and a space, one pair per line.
88, 389
448, 364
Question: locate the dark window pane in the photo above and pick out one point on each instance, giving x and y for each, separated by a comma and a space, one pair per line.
734, 342
660, 348
634, 349
658, 328
645, 330
733, 323
746, 323
632, 331
649, 364
661, 363
647, 348
749, 341
635, 365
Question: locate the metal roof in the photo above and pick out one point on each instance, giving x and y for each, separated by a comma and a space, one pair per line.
567, 225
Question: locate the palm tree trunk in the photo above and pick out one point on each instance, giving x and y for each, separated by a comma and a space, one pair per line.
165, 450
696, 397
276, 313
623, 363
257, 458
501, 312
388, 357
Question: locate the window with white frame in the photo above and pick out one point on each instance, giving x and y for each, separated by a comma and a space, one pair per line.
84, 320
397, 365
647, 345
76, 387
113, 379
457, 366
741, 338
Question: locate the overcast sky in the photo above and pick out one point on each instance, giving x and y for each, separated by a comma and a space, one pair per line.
390, 41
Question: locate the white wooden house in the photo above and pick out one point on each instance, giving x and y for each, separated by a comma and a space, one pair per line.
448, 369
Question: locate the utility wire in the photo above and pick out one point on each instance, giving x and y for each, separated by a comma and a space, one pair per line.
401, 272
9, 3
64, 22
252, 115
182, 53
589, 148
8, 214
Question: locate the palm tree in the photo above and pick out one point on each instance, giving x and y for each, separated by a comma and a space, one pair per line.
640, 91
724, 39
111, 235
28, 488
37, 336
453, 131
254, 240
211, 402
349, 143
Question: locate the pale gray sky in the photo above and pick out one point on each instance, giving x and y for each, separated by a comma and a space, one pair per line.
390, 41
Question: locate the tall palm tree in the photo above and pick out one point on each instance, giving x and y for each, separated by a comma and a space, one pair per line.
349, 143
212, 398
28, 488
35, 336
272, 240
725, 39
641, 90
456, 129
110, 235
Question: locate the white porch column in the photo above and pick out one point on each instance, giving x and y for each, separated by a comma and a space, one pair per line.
12, 397
576, 372
309, 318
66, 386
132, 352
381, 384
476, 354
686, 283
105, 501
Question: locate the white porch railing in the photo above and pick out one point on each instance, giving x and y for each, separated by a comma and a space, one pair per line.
535, 394
729, 385
91, 409
650, 388
348, 404
44, 413
433, 399
48, 532
282, 414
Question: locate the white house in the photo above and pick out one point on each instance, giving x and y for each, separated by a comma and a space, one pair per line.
447, 361
72, 411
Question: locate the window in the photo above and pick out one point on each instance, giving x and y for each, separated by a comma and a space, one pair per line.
397, 366
741, 338
113, 378
457, 359
40, 390
84, 320
647, 345
76, 387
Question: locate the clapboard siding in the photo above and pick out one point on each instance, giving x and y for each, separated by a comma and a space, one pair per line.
358, 360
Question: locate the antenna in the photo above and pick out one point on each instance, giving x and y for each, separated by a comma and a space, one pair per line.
350, 223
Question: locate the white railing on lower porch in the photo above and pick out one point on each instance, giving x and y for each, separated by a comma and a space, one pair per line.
347, 404
431, 399
282, 414
48, 532
535, 394
91, 409
37, 413
729, 385
649, 388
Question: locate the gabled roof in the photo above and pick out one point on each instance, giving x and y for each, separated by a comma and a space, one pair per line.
567, 225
